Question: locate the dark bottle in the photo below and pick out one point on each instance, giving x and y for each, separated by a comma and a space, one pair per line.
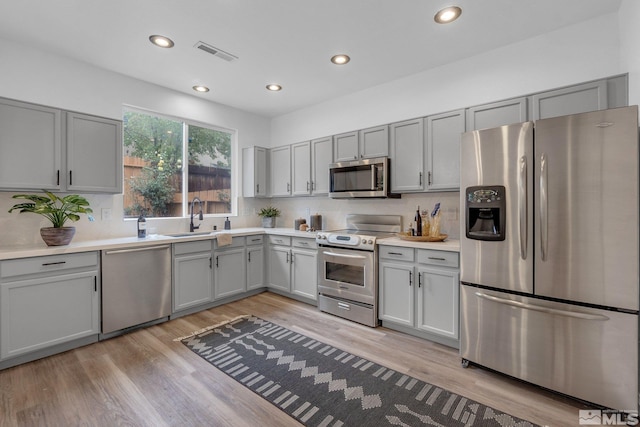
227, 224
142, 227
418, 220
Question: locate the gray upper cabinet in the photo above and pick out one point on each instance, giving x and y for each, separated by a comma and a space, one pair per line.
345, 147
30, 146
581, 98
374, 142
443, 132
94, 154
497, 114
254, 172
280, 181
301, 168
38, 152
321, 157
407, 156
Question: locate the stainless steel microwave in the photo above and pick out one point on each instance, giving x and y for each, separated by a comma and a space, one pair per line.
360, 178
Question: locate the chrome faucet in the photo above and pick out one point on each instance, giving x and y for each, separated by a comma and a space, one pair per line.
192, 227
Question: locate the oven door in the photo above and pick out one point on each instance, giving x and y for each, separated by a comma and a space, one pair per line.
347, 273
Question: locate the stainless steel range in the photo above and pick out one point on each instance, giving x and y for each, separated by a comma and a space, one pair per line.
348, 267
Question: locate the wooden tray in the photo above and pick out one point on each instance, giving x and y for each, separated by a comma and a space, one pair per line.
440, 238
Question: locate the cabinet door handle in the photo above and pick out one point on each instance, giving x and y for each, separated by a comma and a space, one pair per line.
420, 178
257, 188
288, 187
95, 283
53, 263
249, 256
58, 177
216, 261
287, 257
307, 185
419, 280
70, 177
291, 257
410, 278
210, 263
429, 178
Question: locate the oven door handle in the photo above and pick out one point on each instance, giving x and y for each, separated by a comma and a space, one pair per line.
343, 255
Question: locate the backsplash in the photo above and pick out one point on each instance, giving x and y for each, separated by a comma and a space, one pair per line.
24, 229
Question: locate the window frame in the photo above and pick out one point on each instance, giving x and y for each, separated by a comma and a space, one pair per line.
234, 163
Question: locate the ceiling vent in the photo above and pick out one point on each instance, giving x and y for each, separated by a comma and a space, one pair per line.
215, 51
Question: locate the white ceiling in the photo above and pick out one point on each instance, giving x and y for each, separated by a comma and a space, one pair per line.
288, 42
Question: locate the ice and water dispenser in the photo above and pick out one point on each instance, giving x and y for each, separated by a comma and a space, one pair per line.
485, 212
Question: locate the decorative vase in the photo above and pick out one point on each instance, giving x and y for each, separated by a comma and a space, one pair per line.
268, 221
59, 236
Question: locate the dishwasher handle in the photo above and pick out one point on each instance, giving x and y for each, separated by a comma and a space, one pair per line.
146, 248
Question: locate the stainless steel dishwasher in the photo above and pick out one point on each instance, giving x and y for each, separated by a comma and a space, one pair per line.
136, 286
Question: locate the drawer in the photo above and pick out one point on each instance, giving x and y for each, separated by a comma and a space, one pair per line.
397, 253
192, 247
255, 240
47, 264
280, 240
442, 258
303, 242
236, 242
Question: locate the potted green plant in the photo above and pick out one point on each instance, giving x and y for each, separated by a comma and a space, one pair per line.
57, 210
268, 216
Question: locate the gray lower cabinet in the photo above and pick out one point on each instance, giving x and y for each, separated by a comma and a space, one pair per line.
255, 262
192, 274
419, 292
279, 271
304, 268
47, 302
230, 269
293, 269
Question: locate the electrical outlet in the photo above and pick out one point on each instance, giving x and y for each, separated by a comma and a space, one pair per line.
106, 214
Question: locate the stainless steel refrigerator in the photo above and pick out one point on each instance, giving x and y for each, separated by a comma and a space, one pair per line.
549, 253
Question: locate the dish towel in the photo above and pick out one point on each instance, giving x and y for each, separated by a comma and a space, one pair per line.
224, 239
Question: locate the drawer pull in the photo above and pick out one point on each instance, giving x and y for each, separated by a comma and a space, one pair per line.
53, 263
344, 306
255, 240
437, 258
395, 253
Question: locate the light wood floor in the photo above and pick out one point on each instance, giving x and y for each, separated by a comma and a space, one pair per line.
146, 379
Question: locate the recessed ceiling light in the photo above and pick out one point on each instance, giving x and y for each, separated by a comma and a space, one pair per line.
340, 59
447, 15
198, 88
161, 41
274, 87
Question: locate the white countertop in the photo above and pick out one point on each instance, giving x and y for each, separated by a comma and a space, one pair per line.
447, 245
14, 252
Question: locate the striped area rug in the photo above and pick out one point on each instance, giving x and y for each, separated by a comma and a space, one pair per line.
321, 385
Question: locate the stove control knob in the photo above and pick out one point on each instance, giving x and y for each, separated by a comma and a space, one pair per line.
370, 242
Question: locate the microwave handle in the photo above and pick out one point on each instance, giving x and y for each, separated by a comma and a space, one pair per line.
373, 177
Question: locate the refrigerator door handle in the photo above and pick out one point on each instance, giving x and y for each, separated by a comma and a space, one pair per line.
544, 206
522, 207
574, 314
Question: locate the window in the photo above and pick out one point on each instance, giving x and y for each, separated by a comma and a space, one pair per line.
168, 162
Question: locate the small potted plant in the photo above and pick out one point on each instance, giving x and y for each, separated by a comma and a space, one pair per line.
269, 215
57, 210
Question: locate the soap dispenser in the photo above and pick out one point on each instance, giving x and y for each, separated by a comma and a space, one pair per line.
227, 224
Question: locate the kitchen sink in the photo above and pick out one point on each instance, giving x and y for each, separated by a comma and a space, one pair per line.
188, 234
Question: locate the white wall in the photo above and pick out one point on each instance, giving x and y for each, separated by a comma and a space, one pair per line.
629, 15
586, 51
44, 78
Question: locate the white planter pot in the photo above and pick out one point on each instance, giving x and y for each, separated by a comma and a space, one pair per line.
268, 221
